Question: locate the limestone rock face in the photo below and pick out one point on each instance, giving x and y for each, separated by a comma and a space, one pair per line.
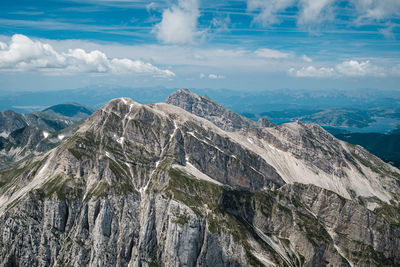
155, 185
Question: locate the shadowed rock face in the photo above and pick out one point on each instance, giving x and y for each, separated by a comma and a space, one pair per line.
150, 185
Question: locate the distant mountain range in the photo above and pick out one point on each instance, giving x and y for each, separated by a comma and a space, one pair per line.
24, 135
188, 182
363, 110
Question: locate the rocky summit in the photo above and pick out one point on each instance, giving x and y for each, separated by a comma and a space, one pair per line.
190, 183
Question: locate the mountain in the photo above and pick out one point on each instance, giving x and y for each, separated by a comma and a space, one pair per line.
150, 185
72, 111
23, 135
53, 118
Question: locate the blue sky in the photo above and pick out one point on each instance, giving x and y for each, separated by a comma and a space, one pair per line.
243, 45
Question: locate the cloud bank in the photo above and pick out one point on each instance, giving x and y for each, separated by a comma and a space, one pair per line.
271, 53
215, 76
25, 54
268, 10
179, 23
376, 9
312, 12
349, 68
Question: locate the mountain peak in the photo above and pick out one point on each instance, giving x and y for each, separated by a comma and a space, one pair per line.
185, 91
124, 100
121, 103
204, 107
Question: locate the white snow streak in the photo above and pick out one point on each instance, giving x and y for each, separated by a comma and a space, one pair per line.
190, 169
43, 175
120, 140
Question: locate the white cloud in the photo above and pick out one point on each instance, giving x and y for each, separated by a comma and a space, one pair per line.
376, 9
388, 32
270, 53
268, 10
179, 23
202, 75
150, 6
359, 68
306, 58
193, 60
221, 24
25, 54
314, 11
312, 71
310, 11
349, 68
396, 70
3, 46
215, 76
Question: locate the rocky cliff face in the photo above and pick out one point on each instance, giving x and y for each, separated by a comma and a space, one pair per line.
154, 185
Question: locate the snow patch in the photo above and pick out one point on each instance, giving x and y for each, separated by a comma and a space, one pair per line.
261, 257
45, 134
206, 142
272, 147
275, 245
372, 205
4, 134
121, 140
338, 249
190, 169
61, 137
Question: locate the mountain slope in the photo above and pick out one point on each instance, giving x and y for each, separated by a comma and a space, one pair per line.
385, 146
142, 185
